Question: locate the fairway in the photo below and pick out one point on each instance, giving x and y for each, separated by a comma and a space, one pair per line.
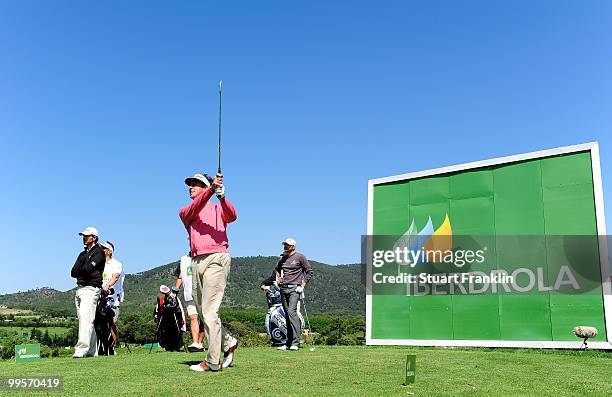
334, 371
59, 331
20, 312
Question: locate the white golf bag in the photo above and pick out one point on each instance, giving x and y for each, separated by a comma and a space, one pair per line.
276, 325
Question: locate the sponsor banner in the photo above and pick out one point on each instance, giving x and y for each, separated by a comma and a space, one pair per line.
503, 252
27, 353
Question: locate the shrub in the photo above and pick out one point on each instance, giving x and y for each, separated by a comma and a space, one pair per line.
7, 350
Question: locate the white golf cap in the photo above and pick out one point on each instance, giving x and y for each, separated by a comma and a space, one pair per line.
290, 241
107, 246
90, 231
197, 177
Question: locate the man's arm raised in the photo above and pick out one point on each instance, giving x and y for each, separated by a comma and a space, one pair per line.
189, 213
228, 212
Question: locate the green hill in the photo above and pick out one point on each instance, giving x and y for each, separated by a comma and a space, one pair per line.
334, 289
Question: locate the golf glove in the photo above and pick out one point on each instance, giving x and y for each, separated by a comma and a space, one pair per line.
299, 289
220, 191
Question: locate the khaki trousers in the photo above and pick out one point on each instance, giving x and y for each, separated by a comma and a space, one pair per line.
86, 299
209, 277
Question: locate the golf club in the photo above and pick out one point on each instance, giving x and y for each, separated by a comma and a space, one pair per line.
219, 146
308, 321
182, 339
156, 334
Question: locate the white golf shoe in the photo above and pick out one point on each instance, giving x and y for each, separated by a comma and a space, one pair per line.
195, 347
228, 355
204, 366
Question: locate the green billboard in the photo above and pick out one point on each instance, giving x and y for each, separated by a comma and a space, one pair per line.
531, 229
27, 353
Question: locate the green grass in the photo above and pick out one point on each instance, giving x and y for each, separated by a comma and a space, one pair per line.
331, 371
14, 312
6, 331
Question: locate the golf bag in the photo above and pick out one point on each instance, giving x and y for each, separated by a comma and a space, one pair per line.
276, 324
170, 319
103, 323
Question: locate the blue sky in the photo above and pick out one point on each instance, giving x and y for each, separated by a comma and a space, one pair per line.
105, 107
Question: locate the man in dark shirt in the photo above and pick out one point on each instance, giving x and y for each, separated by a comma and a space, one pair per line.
88, 270
293, 272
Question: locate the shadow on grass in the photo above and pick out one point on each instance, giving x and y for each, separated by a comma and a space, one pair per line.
190, 362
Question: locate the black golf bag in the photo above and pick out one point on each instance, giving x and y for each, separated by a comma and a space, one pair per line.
276, 324
103, 323
170, 320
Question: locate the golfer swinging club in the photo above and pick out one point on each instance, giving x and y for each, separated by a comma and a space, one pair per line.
206, 223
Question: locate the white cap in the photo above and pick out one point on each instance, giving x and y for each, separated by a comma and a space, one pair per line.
290, 241
107, 246
197, 177
89, 231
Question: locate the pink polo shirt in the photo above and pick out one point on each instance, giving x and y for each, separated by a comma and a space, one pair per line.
206, 223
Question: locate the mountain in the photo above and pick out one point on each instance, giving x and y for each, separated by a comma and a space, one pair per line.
333, 289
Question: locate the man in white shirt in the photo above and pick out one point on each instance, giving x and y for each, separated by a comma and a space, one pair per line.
113, 277
183, 277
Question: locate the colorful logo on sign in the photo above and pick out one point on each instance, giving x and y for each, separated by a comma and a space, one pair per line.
427, 239
27, 352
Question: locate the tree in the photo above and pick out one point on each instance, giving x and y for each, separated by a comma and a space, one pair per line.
71, 337
46, 339
35, 334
